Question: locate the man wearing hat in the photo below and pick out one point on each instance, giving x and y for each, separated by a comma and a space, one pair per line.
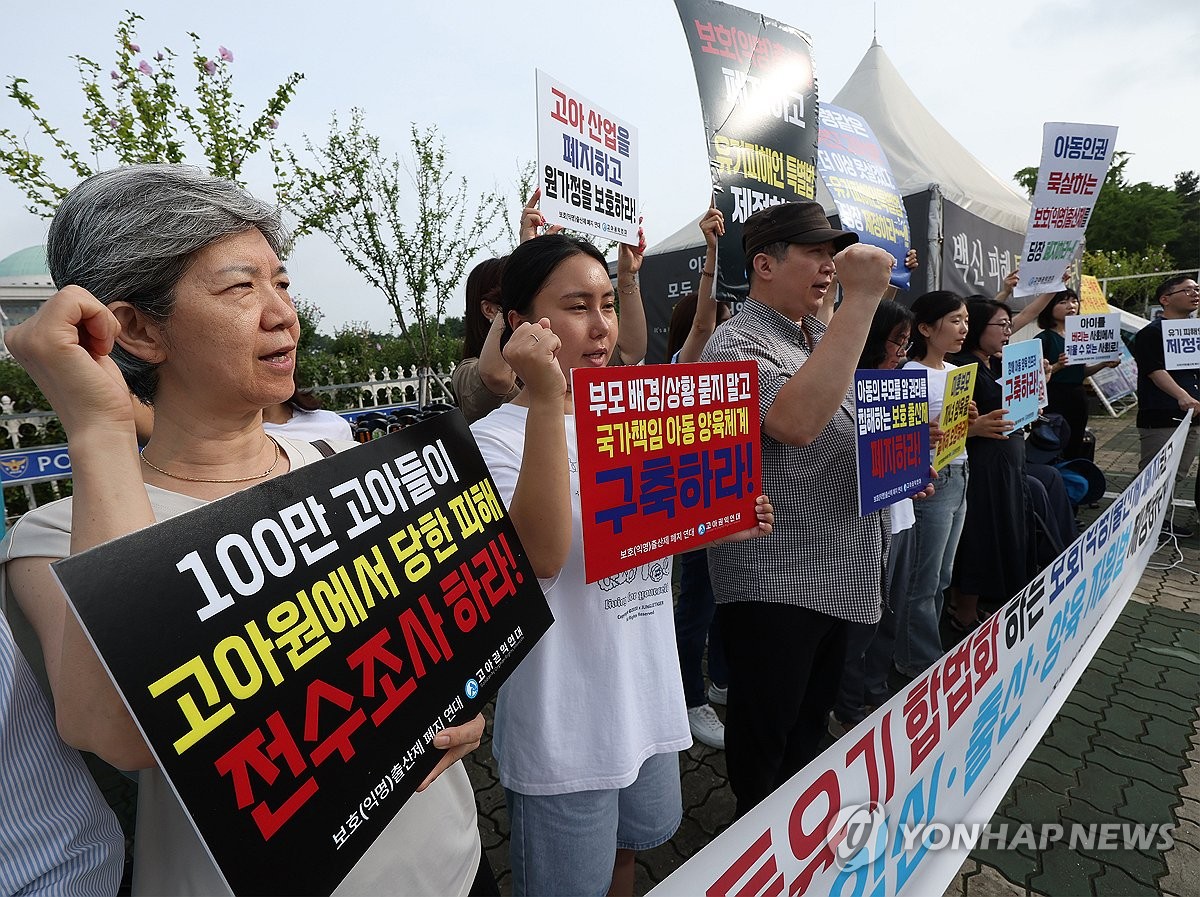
783, 600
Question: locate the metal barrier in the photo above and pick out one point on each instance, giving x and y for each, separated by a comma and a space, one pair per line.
30, 462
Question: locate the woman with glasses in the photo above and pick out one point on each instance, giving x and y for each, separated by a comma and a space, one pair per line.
869, 646
1065, 390
994, 558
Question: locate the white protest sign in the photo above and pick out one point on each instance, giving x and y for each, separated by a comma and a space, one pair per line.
587, 164
897, 804
1075, 159
1093, 338
1181, 344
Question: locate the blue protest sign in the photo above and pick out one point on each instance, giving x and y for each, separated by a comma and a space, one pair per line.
858, 175
1021, 363
891, 418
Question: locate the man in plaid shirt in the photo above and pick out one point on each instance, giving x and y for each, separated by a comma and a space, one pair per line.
783, 600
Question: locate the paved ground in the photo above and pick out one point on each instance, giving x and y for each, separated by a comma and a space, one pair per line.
1125, 748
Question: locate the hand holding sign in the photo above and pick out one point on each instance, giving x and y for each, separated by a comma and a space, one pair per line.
457, 742
991, 425
712, 225
764, 514
533, 221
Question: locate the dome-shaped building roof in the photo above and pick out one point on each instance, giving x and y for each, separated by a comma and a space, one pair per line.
26, 266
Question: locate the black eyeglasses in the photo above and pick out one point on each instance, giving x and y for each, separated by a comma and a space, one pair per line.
1187, 291
1007, 325
903, 348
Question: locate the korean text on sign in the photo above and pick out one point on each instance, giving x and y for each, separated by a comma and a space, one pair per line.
587, 164
324, 627
891, 411
668, 459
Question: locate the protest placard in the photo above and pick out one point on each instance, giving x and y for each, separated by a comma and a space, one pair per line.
291, 651
960, 387
891, 418
1181, 344
896, 805
1021, 365
1075, 160
1093, 338
1091, 296
669, 459
758, 96
587, 164
859, 177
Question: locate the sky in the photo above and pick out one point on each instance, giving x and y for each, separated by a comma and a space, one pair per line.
990, 73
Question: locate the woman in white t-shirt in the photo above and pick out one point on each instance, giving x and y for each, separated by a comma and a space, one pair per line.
170, 287
589, 725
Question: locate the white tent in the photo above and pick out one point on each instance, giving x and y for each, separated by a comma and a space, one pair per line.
967, 224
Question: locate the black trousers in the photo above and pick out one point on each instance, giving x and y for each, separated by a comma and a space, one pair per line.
785, 666
1071, 401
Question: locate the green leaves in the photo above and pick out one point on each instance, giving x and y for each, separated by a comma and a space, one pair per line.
359, 196
137, 113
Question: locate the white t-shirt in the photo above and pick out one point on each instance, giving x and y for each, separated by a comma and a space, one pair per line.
430, 847
309, 425
937, 391
601, 692
903, 516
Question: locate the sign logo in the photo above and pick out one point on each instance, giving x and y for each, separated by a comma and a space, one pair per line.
472, 688
14, 467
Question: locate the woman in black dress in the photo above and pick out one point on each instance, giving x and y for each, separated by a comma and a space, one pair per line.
993, 559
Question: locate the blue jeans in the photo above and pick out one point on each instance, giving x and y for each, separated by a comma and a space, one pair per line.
934, 540
694, 626
567, 843
870, 647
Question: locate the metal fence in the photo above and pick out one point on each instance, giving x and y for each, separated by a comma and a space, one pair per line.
35, 467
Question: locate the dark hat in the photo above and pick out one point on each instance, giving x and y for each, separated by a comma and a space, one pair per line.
792, 222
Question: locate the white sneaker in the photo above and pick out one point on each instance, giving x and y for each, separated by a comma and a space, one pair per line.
718, 695
706, 726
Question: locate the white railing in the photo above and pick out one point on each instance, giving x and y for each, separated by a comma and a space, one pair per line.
416, 386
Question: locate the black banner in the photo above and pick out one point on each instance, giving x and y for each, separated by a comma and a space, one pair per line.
758, 94
976, 254
291, 651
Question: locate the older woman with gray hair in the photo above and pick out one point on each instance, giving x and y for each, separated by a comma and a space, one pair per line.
171, 287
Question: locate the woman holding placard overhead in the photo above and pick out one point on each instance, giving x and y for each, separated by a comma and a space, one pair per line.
171, 286
589, 725
1065, 391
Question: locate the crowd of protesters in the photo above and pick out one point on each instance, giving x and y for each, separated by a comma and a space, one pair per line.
810, 618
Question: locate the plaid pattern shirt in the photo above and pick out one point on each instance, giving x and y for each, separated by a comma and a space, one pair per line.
821, 555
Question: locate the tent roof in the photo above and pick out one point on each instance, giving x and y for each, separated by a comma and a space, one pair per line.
921, 152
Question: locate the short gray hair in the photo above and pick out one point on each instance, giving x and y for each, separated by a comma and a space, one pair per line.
129, 235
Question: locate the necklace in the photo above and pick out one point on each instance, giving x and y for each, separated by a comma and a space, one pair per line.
257, 476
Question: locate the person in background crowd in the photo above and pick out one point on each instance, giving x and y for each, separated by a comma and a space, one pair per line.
994, 558
1065, 391
170, 286
783, 601
870, 648
693, 321
302, 417
56, 834
1165, 396
588, 727
940, 331
483, 381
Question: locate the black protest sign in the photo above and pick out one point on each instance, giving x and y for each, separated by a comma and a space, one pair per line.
290, 652
758, 95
